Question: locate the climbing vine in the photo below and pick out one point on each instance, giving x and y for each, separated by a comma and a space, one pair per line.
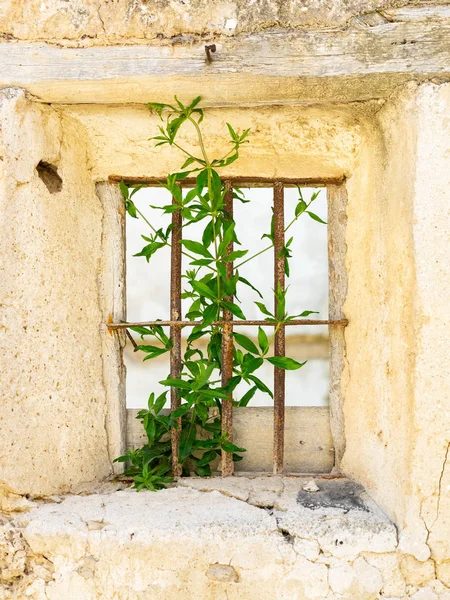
209, 287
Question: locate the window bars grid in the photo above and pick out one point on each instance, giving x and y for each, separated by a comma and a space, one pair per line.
176, 323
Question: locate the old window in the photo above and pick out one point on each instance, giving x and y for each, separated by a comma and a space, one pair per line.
292, 433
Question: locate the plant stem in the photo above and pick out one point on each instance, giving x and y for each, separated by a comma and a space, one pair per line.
271, 245
187, 153
168, 243
200, 139
145, 219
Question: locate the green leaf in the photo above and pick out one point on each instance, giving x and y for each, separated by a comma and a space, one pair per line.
207, 457
159, 402
245, 342
315, 217
305, 313
150, 430
209, 315
230, 285
124, 189
202, 289
177, 383
264, 309
202, 412
214, 393
187, 439
233, 382
150, 348
216, 189
248, 396
150, 249
202, 180
204, 471
194, 102
197, 248
234, 255
136, 189
158, 108
260, 385
188, 162
180, 411
229, 447
131, 208
150, 401
300, 208
202, 262
251, 363
152, 351
228, 236
233, 134
234, 309
263, 340
283, 362
173, 126
141, 330
246, 282
214, 443
207, 237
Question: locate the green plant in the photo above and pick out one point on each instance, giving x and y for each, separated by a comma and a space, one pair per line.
209, 287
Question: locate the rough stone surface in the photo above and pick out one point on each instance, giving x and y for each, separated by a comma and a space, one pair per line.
54, 412
181, 543
53, 406
310, 143
223, 573
85, 22
398, 446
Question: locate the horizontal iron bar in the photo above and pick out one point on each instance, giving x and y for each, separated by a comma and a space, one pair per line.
235, 181
341, 322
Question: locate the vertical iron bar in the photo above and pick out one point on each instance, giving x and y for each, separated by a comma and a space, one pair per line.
279, 374
175, 332
227, 354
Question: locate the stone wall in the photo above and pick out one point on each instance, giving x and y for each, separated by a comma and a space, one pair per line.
53, 409
353, 90
396, 424
85, 22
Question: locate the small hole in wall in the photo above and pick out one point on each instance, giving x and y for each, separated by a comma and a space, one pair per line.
49, 175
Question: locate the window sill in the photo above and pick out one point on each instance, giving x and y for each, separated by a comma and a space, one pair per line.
207, 532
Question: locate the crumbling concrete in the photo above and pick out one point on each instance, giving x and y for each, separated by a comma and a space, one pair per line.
183, 543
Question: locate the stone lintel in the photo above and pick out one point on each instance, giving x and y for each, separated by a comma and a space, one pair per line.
356, 63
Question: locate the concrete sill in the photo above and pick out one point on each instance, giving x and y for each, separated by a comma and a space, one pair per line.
261, 532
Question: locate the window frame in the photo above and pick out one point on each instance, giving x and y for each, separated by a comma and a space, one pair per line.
336, 199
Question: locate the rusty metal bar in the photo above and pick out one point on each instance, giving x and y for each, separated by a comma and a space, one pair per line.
175, 332
131, 338
227, 353
234, 181
279, 377
331, 322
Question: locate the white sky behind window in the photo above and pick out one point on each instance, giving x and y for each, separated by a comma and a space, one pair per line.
148, 287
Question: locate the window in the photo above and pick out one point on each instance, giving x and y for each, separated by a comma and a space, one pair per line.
293, 391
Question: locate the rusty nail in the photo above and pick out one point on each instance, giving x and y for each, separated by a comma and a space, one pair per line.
208, 49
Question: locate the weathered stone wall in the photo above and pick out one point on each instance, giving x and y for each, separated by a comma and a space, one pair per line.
87, 22
307, 142
53, 408
61, 415
397, 429
390, 413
